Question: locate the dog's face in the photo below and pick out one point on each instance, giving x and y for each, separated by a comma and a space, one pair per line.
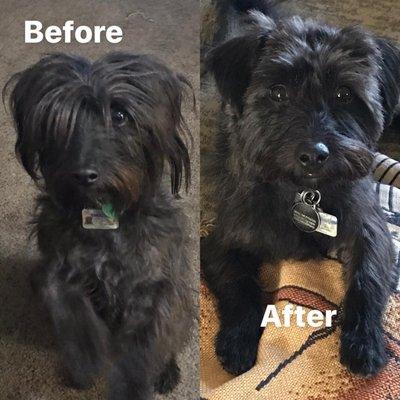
311, 101
99, 133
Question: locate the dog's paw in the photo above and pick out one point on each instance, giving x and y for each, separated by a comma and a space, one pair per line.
363, 354
236, 348
80, 368
77, 380
169, 379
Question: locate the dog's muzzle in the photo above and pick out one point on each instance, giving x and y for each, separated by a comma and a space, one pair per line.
312, 156
85, 176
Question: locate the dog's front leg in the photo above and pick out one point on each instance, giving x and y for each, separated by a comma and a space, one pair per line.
132, 375
144, 344
141, 371
370, 273
81, 335
143, 367
232, 276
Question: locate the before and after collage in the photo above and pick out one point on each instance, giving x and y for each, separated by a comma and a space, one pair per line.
200, 200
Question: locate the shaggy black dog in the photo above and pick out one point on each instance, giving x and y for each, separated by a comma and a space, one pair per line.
303, 106
95, 137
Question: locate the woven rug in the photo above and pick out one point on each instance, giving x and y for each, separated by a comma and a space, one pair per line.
303, 363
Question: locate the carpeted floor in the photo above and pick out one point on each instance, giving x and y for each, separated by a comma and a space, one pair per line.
167, 28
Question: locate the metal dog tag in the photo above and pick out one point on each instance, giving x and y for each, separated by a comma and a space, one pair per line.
309, 217
97, 219
328, 224
305, 217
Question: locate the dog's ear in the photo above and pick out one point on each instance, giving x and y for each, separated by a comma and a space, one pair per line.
232, 64
389, 77
35, 101
170, 129
19, 92
154, 95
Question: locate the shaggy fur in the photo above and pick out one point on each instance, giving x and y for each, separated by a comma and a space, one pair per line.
95, 133
287, 85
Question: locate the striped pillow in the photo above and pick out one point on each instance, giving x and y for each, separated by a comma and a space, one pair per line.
386, 170
389, 198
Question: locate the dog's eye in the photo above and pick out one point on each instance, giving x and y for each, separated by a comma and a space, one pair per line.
119, 117
344, 95
278, 93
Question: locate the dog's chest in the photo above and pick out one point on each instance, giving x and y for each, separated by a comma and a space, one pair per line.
103, 273
110, 270
267, 226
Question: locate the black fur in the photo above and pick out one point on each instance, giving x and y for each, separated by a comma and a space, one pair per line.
118, 295
259, 171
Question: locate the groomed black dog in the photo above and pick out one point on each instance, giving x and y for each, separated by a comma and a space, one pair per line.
304, 105
95, 137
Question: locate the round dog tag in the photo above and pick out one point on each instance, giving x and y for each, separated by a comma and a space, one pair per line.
305, 217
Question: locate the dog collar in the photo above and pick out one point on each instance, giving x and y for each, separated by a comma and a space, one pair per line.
308, 216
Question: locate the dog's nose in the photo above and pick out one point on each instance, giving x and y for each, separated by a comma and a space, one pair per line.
86, 176
313, 156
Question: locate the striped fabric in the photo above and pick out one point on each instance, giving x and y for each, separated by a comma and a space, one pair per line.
386, 170
389, 198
